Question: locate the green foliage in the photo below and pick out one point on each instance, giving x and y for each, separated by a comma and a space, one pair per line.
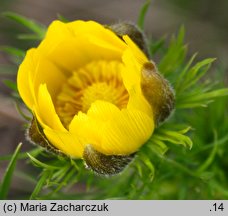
37, 29
175, 137
186, 79
5, 184
56, 173
142, 14
174, 55
10, 84
165, 167
17, 55
62, 18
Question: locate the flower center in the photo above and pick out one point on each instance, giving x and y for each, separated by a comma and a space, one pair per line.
99, 80
100, 91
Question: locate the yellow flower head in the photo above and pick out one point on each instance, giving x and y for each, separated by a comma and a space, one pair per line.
91, 91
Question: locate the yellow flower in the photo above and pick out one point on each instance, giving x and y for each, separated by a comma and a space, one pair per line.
89, 90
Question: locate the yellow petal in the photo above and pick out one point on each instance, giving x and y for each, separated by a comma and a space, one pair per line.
79, 43
53, 128
48, 73
65, 141
93, 29
138, 54
87, 129
134, 59
131, 74
127, 132
112, 131
67, 53
35, 70
45, 111
131, 71
138, 101
23, 77
102, 111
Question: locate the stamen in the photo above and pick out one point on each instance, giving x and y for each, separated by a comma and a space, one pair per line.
100, 80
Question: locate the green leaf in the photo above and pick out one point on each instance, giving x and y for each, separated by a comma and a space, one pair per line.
5, 185
10, 84
211, 156
16, 54
220, 142
174, 137
180, 166
35, 27
59, 174
175, 54
147, 162
211, 95
206, 176
40, 184
31, 37
198, 99
180, 78
155, 46
142, 14
158, 145
38, 163
62, 18
23, 155
22, 113
139, 169
220, 188
65, 181
13, 51
191, 77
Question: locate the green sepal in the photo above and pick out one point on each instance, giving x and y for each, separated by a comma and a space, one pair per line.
36, 135
106, 165
121, 29
158, 92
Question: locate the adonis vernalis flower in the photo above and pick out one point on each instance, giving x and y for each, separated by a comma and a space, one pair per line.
93, 92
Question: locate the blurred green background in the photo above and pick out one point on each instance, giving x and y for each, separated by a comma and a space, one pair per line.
206, 33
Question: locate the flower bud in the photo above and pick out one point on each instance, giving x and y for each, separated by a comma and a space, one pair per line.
103, 164
133, 32
158, 92
36, 136
96, 96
